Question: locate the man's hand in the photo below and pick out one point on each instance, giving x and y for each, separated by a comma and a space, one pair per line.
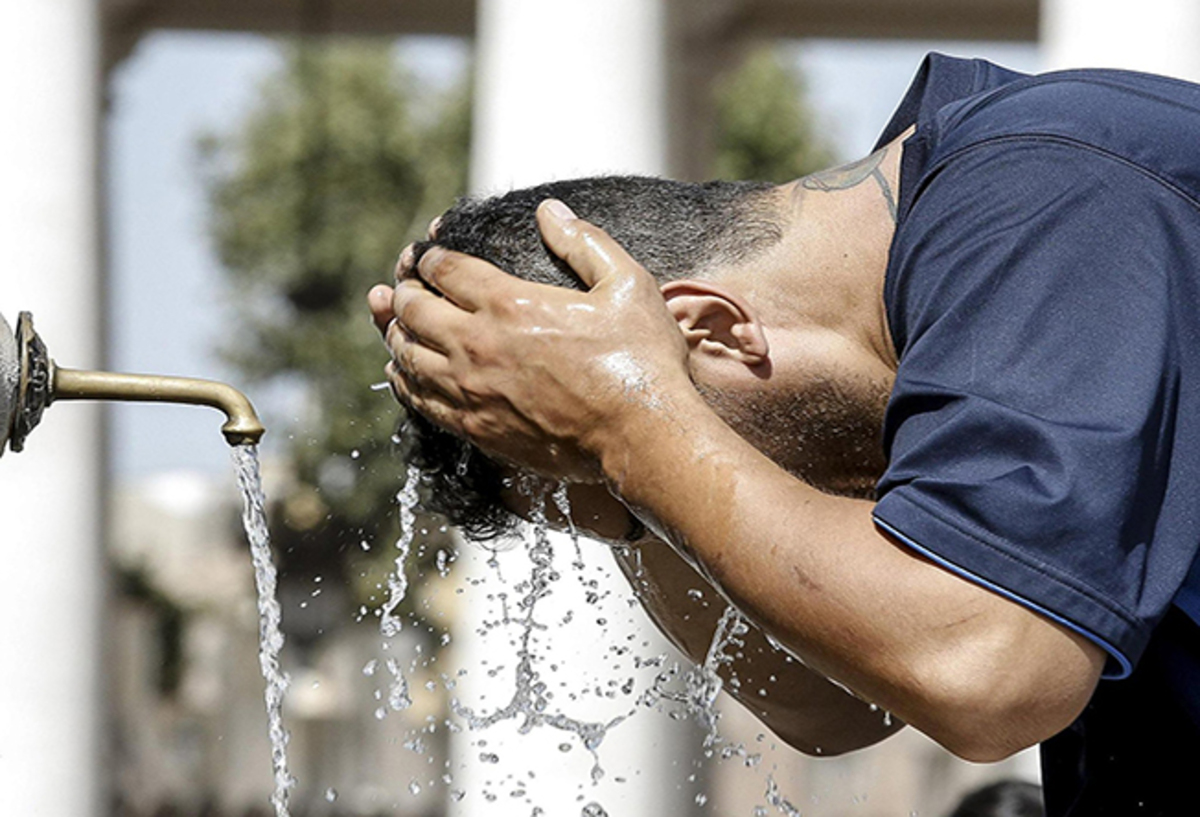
537, 375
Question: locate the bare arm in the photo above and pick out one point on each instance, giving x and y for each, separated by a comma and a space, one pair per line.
802, 707
981, 675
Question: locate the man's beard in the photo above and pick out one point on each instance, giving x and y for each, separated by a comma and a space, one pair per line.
827, 434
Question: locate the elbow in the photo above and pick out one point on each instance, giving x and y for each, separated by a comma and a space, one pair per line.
985, 705
986, 723
985, 745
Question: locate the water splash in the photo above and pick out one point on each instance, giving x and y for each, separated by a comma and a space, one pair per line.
390, 624
563, 503
530, 702
270, 638
776, 799
702, 684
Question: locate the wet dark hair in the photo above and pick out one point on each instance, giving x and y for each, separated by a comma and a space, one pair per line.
674, 229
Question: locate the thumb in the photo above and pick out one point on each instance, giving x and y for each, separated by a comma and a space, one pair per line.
589, 251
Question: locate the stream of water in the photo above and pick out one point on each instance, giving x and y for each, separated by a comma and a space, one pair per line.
390, 623
270, 637
690, 694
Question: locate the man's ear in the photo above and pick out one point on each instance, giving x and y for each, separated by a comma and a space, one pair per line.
716, 321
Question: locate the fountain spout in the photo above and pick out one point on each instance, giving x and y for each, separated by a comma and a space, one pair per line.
30, 381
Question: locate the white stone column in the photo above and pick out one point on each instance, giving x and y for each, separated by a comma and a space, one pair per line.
50, 511
564, 89
1159, 36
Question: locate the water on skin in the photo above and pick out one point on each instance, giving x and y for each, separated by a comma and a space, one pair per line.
270, 638
702, 684
698, 697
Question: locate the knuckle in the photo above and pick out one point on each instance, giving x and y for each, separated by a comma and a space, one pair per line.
474, 425
475, 390
510, 308
476, 350
404, 263
436, 265
408, 312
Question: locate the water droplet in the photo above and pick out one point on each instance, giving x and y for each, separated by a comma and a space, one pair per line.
414, 788
330, 794
594, 809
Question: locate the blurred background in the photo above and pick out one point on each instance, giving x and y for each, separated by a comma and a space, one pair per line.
208, 189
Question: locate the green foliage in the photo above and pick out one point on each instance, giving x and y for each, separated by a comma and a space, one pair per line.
337, 167
764, 130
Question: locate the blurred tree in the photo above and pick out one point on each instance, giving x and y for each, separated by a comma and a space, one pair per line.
337, 166
764, 128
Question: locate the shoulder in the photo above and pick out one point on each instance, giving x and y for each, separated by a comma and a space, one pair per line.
1146, 121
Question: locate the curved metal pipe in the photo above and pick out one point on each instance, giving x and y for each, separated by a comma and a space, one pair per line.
242, 426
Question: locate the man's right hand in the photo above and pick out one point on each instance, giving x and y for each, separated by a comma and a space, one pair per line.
543, 377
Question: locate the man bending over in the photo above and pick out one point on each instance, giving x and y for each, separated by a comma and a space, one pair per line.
1018, 267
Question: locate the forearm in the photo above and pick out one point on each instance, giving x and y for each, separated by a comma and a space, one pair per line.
815, 572
802, 707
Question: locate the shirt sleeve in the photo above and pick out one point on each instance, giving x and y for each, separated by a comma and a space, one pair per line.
1029, 433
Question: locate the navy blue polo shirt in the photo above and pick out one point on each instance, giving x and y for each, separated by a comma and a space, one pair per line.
1043, 435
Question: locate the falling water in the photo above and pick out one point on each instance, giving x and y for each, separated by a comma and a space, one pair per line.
270, 638
702, 684
390, 623
529, 701
698, 697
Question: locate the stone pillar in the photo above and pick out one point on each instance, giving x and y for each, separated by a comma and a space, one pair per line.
564, 89
567, 89
50, 508
1159, 36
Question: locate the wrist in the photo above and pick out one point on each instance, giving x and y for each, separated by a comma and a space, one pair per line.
653, 436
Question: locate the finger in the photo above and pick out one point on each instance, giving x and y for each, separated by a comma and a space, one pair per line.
428, 318
464, 279
425, 371
432, 231
379, 301
431, 405
590, 252
404, 264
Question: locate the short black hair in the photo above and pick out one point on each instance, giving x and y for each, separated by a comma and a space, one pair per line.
674, 229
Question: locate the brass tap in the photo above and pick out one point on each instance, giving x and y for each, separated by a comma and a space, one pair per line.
241, 427
32, 382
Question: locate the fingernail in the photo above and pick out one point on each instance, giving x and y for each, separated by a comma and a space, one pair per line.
559, 210
433, 226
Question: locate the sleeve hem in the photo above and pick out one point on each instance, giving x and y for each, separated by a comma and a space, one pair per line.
975, 560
